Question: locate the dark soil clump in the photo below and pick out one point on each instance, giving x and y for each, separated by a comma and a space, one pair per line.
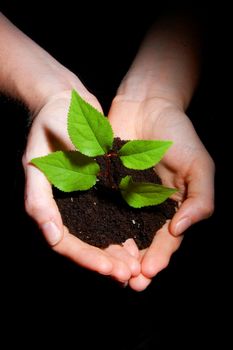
101, 217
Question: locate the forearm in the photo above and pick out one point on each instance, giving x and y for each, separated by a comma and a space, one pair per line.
167, 64
27, 72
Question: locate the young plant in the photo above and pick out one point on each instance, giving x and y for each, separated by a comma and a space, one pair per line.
92, 136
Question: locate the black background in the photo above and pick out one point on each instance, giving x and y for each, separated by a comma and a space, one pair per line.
46, 295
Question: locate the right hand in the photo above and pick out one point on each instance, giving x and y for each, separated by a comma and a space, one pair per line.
48, 133
187, 166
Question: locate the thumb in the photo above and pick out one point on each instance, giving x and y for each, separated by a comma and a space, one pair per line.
41, 206
199, 204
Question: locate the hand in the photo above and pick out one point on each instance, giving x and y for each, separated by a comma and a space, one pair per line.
43, 85
186, 166
49, 133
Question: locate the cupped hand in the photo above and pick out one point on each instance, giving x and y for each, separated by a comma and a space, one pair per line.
186, 166
48, 133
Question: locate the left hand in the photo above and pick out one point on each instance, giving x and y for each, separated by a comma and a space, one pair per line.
186, 166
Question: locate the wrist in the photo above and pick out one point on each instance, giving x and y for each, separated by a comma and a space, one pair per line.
42, 89
140, 89
132, 90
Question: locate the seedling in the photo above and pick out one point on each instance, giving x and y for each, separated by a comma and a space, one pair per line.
92, 136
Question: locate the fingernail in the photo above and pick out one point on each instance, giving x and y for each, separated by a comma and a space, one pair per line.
124, 284
182, 225
51, 232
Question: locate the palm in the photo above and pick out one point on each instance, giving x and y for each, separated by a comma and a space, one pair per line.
49, 133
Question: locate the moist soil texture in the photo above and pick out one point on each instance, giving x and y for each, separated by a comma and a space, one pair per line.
101, 217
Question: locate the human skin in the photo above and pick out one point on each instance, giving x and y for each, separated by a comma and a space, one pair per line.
150, 104
151, 101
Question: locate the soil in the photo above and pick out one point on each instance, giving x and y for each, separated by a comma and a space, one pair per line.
101, 217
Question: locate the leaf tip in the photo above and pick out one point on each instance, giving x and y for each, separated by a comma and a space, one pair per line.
35, 161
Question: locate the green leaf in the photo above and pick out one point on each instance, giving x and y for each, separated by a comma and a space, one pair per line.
68, 171
142, 194
143, 154
89, 130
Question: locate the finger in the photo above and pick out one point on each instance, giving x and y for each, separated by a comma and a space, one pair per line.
131, 247
160, 251
199, 204
123, 113
139, 283
123, 255
120, 271
92, 258
40, 205
84, 254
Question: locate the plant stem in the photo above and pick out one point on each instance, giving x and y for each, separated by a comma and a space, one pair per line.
107, 158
